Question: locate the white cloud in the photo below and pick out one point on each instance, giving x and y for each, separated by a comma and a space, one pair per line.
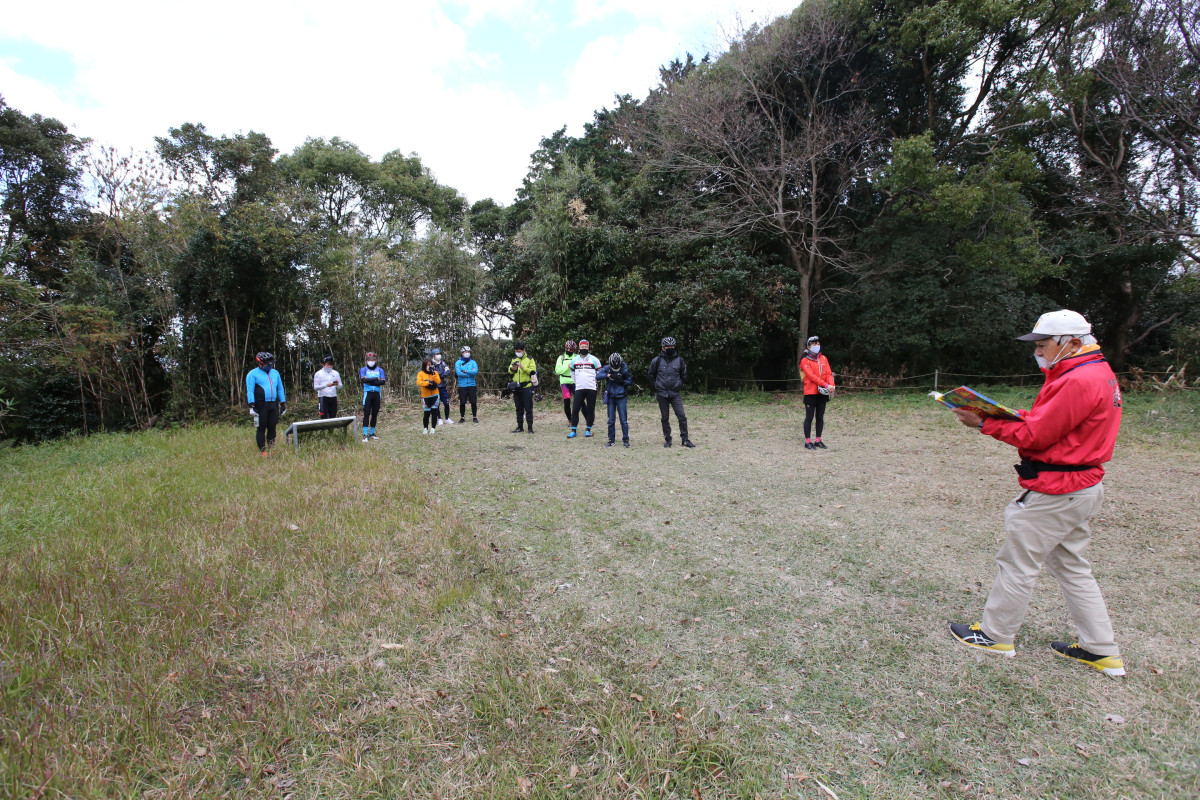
383, 75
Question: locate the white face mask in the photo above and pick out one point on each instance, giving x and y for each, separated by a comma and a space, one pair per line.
1044, 364
371, 364
520, 354
437, 357
816, 348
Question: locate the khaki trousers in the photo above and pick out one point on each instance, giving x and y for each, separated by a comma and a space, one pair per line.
1050, 529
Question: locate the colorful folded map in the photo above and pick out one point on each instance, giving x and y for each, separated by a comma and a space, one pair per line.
965, 397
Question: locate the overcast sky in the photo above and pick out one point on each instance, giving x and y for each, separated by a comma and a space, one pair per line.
469, 85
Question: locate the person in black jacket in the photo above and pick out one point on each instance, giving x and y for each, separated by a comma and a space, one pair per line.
668, 372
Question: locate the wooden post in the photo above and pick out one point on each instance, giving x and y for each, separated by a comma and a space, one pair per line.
935, 379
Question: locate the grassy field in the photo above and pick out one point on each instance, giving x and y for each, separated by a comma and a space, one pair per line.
485, 614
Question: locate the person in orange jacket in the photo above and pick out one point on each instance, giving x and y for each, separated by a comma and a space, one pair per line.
818, 388
428, 380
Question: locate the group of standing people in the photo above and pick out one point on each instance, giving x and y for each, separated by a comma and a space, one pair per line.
579, 375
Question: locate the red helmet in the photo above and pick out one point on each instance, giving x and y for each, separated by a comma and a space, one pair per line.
584, 343
571, 347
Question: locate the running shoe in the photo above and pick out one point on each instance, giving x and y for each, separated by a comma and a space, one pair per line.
449, 421
1111, 666
572, 434
475, 420
973, 636
610, 443
809, 446
517, 430
687, 443
820, 444
626, 443
365, 440
666, 442
587, 434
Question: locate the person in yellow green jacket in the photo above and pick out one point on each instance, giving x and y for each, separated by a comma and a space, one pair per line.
524, 374
566, 378
428, 381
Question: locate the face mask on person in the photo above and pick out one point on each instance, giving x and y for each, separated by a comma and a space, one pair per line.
583, 351
437, 358
1044, 363
371, 364
520, 354
669, 351
816, 348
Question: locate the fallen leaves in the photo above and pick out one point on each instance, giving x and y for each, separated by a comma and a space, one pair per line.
1115, 719
637, 698
524, 785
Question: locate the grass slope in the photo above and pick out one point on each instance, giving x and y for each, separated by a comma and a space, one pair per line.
180, 618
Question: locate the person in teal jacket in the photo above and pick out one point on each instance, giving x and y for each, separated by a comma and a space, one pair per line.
267, 399
465, 369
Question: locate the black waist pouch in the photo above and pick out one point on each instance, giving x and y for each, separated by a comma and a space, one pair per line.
1029, 470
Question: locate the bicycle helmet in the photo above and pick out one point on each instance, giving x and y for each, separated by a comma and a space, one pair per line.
668, 341
615, 361
571, 346
584, 344
327, 360
814, 340
265, 359
370, 356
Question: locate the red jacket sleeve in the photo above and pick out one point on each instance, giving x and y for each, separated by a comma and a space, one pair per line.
1048, 422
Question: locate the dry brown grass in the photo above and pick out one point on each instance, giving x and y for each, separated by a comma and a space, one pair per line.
484, 614
803, 597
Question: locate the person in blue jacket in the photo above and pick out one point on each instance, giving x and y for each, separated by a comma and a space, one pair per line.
465, 369
616, 389
267, 399
372, 378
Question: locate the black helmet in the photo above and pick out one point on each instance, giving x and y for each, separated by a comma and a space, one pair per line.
327, 360
615, 361
668, 341
264, 359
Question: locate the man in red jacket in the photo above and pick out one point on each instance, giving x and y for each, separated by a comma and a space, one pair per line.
1063, 441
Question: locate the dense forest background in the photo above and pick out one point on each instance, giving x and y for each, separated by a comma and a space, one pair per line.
915, 181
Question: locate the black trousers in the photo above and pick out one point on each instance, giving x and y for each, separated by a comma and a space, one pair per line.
568, 399
467, 394
268, 418
814, 406
429, 412
584, 399
665, 404
523, 400
444, 396
370, 409
326, 407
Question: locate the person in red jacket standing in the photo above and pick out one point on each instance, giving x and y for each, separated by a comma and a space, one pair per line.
1063, 441
818, 388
